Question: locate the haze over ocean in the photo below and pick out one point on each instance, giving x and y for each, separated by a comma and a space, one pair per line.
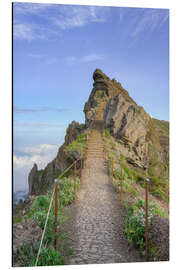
57, 47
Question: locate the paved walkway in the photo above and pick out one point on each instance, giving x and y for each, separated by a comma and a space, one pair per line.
96, 227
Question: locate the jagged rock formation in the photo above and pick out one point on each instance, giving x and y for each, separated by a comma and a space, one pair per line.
41, 180
139, 138
136, 133
103, 90
129, 124
31, 177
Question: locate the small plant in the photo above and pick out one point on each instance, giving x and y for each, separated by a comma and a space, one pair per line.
135, 222
48, 256
79, 144
107, 133
128, 172
134, 227
17, 220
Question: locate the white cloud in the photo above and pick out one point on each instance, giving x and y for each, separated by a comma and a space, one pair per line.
39, 154
84, 59
78, 16
30, 8
53, 16
40, 149
27, 32
22, 164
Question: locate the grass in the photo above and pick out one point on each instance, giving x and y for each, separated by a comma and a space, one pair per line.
107, 133
132, 196
17, 220
48, 256
38, 212
79, 144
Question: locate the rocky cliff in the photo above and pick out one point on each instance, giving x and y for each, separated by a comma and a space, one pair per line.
143, 141
137, 135
41, 180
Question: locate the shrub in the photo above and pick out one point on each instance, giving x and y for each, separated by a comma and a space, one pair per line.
135, 222
107, 133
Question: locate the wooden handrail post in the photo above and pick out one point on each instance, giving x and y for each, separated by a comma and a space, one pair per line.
75, 181
81, 170
121, 193
85, 158
56, 212
147, 184
112, 172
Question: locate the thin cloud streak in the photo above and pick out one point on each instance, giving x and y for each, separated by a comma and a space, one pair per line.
36, 55
79, 16
43, 109
84, 59
142, 23
150, 20
37, 125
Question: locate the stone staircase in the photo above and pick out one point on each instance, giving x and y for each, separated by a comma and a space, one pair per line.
95, 143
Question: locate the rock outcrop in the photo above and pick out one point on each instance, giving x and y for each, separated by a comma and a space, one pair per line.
129, 124
136, 133
103, 89
31, 177
42, 180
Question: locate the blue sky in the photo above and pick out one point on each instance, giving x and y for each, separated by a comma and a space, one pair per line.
57, 48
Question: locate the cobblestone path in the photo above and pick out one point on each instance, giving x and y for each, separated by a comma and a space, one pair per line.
96, 228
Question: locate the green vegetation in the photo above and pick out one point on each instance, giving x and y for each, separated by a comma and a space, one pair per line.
99, 94
48, 256
38, 212
107, 133
133, 178
135, 223
17, 220
79, 144
163, 125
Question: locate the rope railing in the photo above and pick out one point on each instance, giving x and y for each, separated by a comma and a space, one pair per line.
42, 237
51, 201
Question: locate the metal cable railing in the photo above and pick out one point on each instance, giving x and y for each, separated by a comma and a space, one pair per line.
55, 193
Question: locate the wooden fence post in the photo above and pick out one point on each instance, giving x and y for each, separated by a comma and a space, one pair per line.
147, 184
112, 172
75, 181
121, 193
56, 212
